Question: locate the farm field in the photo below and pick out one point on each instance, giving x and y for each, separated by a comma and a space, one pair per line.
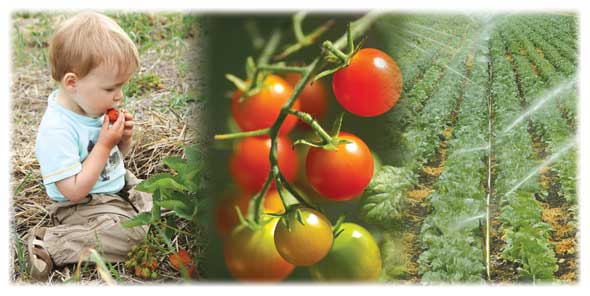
484, 139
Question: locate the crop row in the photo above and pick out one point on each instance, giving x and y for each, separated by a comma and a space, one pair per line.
547, 118
423, 134
551, 77
564, 27
561, 63
556, 38
451, 234
525, 234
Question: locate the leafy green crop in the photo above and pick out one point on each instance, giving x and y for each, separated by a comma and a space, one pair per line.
383, 201
178, 192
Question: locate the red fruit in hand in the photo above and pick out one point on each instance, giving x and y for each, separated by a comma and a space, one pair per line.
182, 259
113, 114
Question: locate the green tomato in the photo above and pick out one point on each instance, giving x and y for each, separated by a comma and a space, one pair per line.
354, 256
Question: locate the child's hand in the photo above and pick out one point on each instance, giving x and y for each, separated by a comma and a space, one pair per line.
126, 140
128, 130
111, 136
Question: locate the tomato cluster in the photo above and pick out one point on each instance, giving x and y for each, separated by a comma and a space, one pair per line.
142, 260
292, 235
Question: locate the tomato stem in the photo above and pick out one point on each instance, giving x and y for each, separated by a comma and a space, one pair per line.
269, 49
257, 201
344, 58
307, 118
279, 184
302, 39
239, 135
282, 69
349, 39
336, 228
294, 192
297, 28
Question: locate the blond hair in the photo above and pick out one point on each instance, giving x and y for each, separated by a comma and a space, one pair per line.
85, 41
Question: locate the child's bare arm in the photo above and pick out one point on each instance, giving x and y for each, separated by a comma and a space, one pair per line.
77, 187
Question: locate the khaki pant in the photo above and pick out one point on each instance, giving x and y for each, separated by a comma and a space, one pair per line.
95, 222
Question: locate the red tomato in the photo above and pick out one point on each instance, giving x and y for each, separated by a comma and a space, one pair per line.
313, 98
370, 85
180, 260
227, 218
113, 114
342, 174
262, 109
251, 255
250, 165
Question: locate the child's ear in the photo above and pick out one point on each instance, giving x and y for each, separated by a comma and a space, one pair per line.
70, 80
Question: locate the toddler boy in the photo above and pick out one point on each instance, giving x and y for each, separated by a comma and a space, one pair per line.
81, 153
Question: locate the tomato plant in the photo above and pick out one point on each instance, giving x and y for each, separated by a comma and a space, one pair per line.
342, 174
370, 85
250, 165
260, 110
313, 97
250, 253
354, 256
304, 236
226, 216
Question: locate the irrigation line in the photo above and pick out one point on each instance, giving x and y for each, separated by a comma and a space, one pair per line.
489, 172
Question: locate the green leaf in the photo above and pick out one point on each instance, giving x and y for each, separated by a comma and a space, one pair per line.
162, 181
383, 201
176, 163
194, 156
182, 208
144, 218
156, 210
169, 231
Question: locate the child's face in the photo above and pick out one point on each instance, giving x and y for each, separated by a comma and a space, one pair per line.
100, 90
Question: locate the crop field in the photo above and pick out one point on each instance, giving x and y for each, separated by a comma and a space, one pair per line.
484, 144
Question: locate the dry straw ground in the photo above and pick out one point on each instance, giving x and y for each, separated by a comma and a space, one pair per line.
164, 98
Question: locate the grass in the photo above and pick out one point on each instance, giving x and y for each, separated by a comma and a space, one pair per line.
143, 83
164, 32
